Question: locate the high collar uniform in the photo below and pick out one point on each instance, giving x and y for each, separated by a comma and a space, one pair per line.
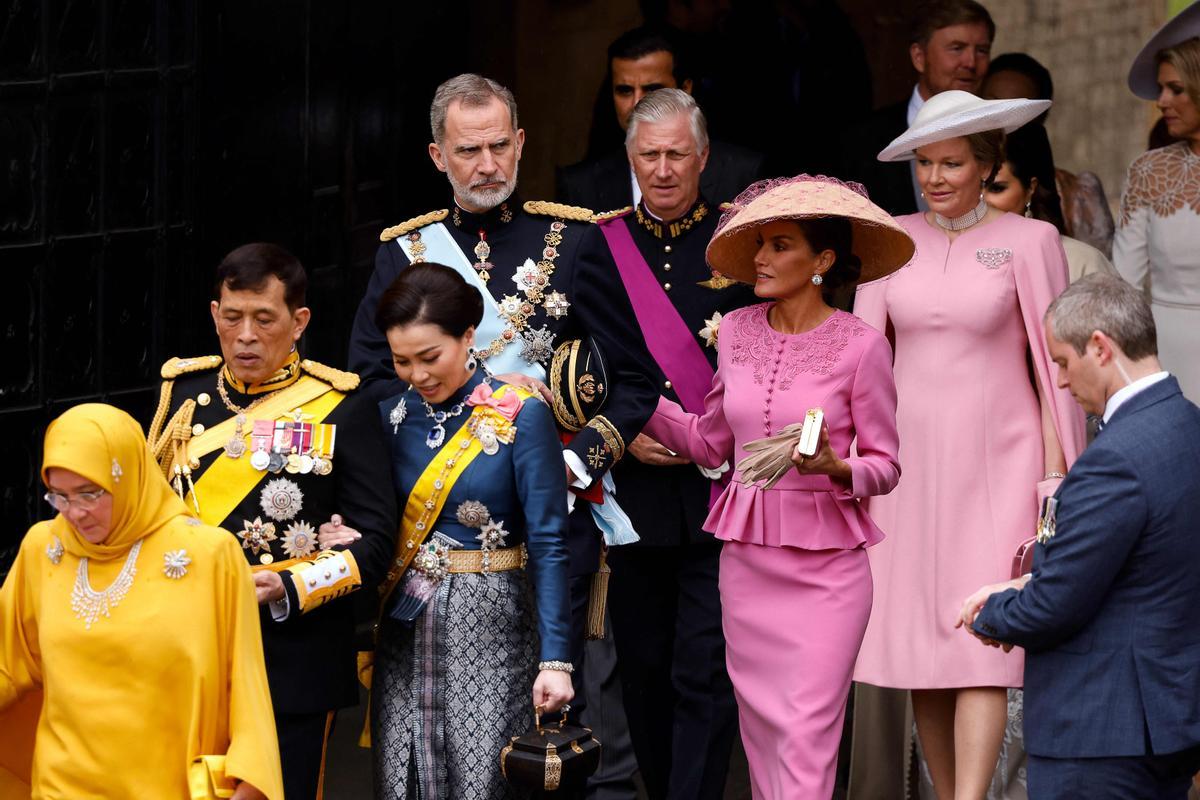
275, 513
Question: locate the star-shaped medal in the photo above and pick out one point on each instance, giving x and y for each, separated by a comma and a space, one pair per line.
257, 535
537, 344
299, 540
556, 305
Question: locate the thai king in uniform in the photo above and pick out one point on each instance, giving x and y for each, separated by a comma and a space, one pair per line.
270, 446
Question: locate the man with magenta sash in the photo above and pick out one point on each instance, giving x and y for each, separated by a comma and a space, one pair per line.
271, 446
523, 260
663, 597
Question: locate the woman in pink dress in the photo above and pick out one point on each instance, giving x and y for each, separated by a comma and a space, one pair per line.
986, 433
794, 579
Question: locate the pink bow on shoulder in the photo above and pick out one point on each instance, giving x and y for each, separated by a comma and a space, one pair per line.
507, 406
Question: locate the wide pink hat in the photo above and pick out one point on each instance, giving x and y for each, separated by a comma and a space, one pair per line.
879, 242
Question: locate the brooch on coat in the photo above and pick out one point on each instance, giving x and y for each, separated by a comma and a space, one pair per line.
492, 422
711, 329
397, 415
175, 563
993, 257
492, 536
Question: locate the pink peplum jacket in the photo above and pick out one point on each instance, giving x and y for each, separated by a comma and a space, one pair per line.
766, 380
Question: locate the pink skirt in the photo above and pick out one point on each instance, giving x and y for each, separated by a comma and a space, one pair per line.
793, 620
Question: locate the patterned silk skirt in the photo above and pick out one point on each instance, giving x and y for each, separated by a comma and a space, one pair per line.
449, 691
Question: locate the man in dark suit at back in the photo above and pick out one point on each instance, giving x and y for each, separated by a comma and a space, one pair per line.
950, 43
1108, 618
640, 61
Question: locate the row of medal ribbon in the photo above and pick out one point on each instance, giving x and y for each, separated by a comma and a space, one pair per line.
297, 447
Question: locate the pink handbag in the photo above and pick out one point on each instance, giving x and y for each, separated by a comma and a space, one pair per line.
1022, 563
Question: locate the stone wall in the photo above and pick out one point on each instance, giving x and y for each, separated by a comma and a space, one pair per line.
1096, 123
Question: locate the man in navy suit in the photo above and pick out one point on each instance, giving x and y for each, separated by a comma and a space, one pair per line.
1108, 617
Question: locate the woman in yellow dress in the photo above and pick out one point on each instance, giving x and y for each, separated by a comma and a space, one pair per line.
134, 630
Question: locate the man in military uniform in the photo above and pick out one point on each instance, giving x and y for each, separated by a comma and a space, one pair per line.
523, 260
664, 600
269, 446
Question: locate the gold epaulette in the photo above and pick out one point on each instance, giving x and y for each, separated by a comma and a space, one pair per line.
724, 206
545, 208
181, 366
412, 224
338, 379
616, 212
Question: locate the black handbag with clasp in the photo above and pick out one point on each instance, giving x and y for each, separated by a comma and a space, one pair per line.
550, 758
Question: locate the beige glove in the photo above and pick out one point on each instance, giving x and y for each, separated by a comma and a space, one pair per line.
770, 458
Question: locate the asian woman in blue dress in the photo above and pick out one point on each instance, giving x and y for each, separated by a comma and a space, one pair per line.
475, 615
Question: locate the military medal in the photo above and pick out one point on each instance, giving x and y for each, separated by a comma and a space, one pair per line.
1047, 520
292, 463
260, 443
537, 344
275, 463
257, 536
556, 305
482, 251
236, 446
299, 540
281, 499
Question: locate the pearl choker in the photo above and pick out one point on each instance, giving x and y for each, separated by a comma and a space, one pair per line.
965, 221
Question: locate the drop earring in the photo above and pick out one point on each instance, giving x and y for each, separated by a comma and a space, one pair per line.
1028, 211
472, 363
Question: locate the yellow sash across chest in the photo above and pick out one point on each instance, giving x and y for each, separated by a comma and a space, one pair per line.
429, 493
227, 481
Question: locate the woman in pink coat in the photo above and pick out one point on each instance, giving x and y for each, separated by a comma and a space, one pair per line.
986, 432
794, 579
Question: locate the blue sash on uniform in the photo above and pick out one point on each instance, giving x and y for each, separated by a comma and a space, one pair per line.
440, 248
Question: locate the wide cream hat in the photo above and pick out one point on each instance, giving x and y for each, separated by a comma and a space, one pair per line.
878, 241
956, 113
1143, 75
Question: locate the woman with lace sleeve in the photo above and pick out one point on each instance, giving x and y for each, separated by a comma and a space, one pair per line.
1157, 243
794, 577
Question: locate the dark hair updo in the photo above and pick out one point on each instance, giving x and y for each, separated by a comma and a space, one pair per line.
836, 234
430, 294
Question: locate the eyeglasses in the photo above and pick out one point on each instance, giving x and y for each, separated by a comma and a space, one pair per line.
84, 501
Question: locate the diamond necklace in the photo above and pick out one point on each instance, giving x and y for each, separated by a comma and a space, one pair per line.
88, 604
437, 434
966, 220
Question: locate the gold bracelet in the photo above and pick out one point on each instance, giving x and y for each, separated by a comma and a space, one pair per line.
557, 666
1052, 475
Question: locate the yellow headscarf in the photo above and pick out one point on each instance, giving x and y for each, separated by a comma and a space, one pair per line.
107, 446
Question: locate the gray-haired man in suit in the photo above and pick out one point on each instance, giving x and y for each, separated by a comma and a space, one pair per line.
1108, 617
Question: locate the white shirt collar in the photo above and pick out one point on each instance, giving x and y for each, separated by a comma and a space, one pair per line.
914, 105
1122, 395
637, 190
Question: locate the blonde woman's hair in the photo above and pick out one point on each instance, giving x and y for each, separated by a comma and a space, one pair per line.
1185, 58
